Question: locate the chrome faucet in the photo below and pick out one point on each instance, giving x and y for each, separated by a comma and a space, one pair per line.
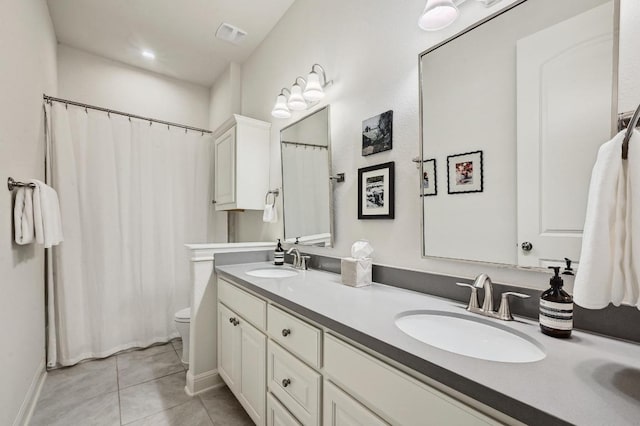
484, 282
299, 261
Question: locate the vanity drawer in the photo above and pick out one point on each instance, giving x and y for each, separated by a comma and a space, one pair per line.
295, 384
277, 415
247, 305
295, 335
394, 395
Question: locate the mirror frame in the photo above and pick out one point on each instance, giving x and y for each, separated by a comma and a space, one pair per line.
330, 183
614, 120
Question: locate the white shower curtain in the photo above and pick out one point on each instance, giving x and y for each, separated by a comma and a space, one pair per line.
131, 194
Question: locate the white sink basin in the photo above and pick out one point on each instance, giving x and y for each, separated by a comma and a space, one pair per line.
465, 335
273, 273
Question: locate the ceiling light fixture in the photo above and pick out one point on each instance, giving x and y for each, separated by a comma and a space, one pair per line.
439, 14
148, 54
303, 93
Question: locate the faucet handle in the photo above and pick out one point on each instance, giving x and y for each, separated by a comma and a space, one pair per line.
303, 262
473, 300
504, 312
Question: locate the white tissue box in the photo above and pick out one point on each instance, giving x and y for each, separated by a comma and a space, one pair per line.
356, 272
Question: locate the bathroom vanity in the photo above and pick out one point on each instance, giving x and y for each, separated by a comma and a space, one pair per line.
308, 350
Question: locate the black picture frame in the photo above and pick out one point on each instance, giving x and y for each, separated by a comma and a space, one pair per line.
376, 191
429, 178
465, 173
377, 133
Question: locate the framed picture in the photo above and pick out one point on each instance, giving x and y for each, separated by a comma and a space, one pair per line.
377, 133
429, 178
464, 173
376, 191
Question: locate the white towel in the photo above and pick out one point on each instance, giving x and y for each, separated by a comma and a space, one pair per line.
270, 214
608, 272
46, 215
23, 216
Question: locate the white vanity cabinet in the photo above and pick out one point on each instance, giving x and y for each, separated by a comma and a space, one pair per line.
308, 376
242, 348
241, 164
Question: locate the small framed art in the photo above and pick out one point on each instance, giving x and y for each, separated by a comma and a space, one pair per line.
429, 178
377, 133
376, 191
465, 173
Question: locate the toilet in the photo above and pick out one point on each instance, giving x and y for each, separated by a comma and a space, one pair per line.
183, 319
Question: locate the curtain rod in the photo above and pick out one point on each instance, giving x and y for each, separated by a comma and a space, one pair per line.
305, 144
50, 99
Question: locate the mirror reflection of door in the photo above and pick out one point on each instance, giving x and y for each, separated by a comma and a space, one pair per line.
565, 79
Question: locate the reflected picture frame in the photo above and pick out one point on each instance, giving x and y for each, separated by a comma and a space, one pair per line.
465, 173
429, 181
376, 191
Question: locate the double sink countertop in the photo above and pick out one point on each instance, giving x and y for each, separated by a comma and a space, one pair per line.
585, 380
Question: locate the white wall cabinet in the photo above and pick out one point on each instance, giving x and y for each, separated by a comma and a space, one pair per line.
241, 164
242, 361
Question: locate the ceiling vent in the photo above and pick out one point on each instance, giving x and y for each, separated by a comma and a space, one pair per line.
230, 33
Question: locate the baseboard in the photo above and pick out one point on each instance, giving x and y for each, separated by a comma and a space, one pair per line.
202, 382
31, 398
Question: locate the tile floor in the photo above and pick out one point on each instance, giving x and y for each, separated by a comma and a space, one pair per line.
137, 388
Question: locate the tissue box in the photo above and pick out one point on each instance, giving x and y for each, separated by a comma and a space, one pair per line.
356, 272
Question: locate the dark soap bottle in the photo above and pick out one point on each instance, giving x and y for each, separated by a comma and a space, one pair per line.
556, 308
278, 254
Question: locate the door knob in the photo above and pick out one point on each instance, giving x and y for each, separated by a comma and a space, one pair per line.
526, 246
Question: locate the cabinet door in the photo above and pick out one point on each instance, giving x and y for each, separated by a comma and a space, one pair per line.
342, 410
253, 389
228, 347
225, 172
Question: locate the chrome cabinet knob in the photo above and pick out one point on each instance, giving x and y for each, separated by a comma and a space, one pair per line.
526, 246
286, 332
286, 382
232, 320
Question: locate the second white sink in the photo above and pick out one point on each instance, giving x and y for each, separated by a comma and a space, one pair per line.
273, 273
465, 335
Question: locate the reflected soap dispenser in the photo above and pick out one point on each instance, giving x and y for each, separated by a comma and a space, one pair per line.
278, 254
556, 308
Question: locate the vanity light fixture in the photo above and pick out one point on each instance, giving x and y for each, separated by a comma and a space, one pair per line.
439, 14
303, 93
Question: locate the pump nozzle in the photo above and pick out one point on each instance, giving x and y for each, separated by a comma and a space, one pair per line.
556, 280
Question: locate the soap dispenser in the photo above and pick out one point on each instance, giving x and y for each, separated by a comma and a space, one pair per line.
278, 254
556, 308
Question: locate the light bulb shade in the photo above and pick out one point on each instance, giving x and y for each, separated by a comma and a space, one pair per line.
438, 14
296, 101
280, 110
313, 90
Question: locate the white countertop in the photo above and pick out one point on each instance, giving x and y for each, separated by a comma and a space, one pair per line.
585, 380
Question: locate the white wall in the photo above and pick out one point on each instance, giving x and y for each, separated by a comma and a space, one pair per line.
91, 79
370, 49
629, 83
226, 95
27, 70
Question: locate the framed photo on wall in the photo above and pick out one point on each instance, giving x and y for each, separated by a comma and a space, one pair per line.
377, 133
376, 191
429, 178
464, 173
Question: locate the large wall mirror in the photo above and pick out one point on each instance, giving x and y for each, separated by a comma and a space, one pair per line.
513, 112
305, 147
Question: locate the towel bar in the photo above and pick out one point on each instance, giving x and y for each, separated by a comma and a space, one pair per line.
12, 184
627, 137
275, 193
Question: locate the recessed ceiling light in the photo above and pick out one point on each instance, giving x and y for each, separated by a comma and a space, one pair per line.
148, 54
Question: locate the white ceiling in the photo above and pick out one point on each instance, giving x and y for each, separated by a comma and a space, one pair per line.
180, 32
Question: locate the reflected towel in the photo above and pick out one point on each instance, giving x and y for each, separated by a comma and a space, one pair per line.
270, 214
23, 216
46, 215
608, 273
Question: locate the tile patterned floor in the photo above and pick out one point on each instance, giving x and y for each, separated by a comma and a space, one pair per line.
137, 388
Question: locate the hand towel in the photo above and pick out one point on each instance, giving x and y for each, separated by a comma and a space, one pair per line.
46, 215
608, 271
23, 216
270, 214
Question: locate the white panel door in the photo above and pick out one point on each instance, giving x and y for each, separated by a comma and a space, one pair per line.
228, 347
564, 101
253, 389
277, 415
225, 172
342, 410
